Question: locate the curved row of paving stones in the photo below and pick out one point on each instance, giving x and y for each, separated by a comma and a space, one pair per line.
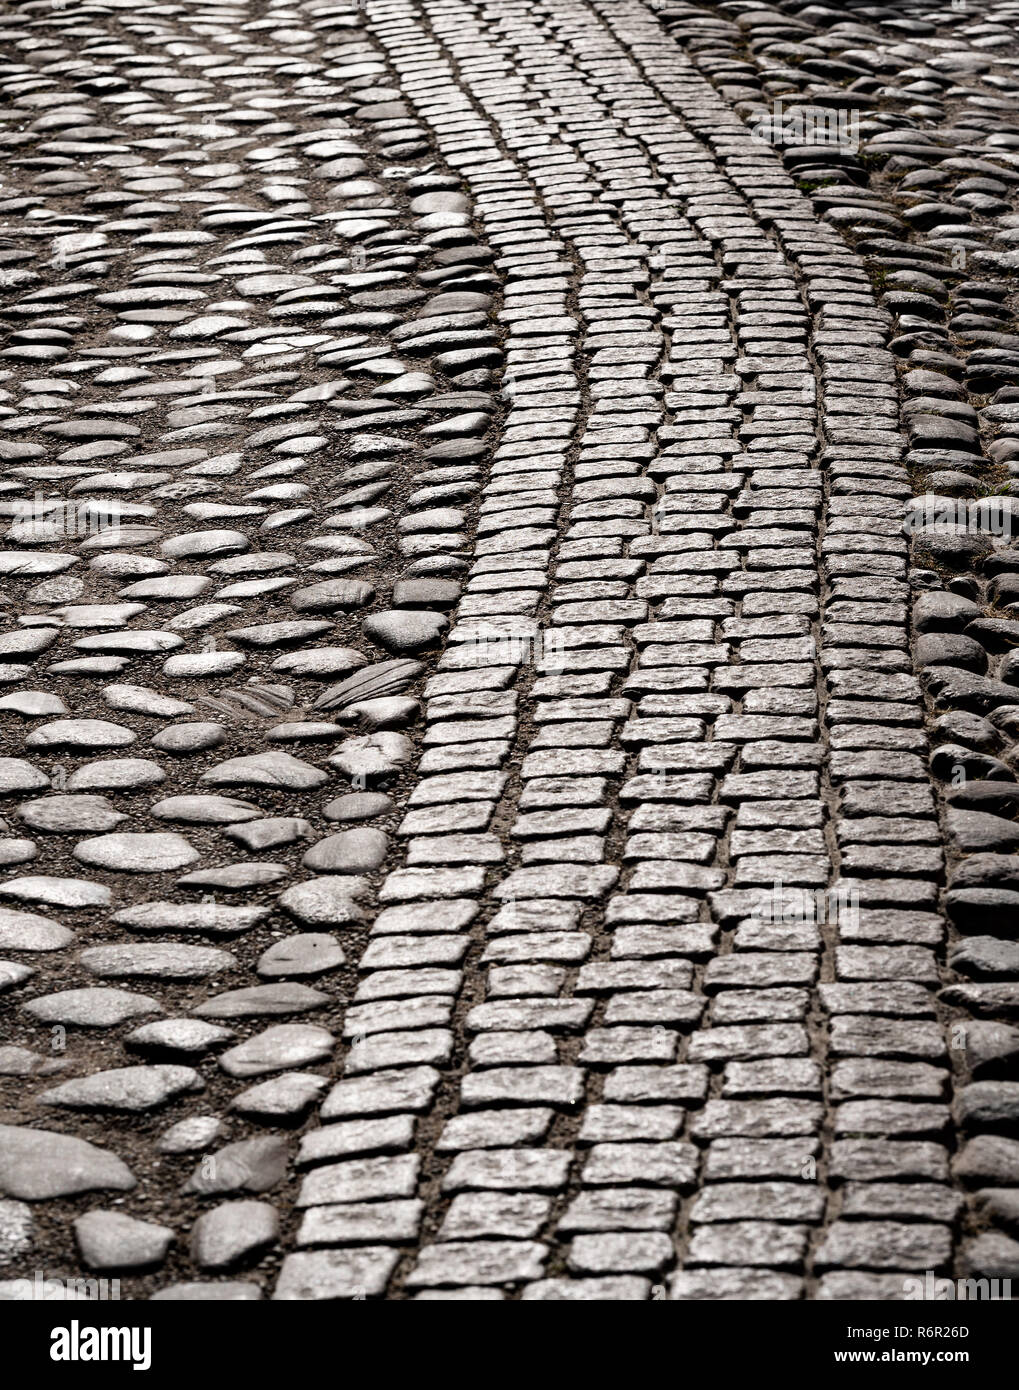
512, 1180
680, 673
928, 200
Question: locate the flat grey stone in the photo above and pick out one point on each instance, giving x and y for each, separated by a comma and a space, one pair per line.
91, 1008
205, 810
405, 631
348, 852
49, 891
21, 1061
137, 699
28, 931
270, 832
188, 1037
12, 974
358, 806
124, 1088
267, 770
283, 634
331, 1274
112, 1240
279, 1048
160, 960
371, 756
257, 1001
306, 953
321, 663
84, 734
192, 1135
36, 1164
33, 704
283, 1098
204, 544
15, 851
345, 595
115, 774
184, 739
233, 878
217, 919
69, 815
250, 1165
137, 852
329, 901
17, 775
233, 1232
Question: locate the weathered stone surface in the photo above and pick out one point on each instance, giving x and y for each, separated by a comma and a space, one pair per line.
282, 1046
111, 1240
124, 1088
233, 1232
137, 853
38, 1163
250, 1165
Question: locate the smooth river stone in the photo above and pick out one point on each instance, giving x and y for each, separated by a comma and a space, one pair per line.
138, 699
161, 960
205, 810
27, 931
124, 1088
183, 739
196, 544
112, 1240
16, 775
91, 1008
191, 1135
356, 806
321, 663
36, 1164
216, 918
405, 630
373, 755
70, 815
33, 704
199, 665
259, 1001
307, 953
348, 852
57, 892
17, 851
116, 774
190, 1036
282, 1098
137, 853
11, 975
279, 1048
86, 734
233, 1232
250, 1165
233, 878
325, 902
272, 769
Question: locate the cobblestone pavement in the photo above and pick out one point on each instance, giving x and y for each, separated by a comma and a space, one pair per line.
492, 806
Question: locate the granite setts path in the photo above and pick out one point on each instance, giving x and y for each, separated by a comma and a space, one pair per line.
509, 675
